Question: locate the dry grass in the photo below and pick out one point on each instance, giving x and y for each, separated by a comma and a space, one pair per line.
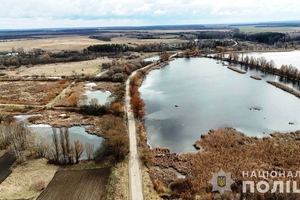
52, 118
50, 44
77, 42
234, 152
148, 188
2, 152
30, 92
89, 67
27, 180
122, 184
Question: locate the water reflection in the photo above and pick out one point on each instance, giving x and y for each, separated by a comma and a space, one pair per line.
210, 96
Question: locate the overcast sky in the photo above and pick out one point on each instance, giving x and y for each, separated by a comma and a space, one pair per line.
96, 13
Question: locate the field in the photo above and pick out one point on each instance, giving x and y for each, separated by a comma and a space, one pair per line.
50, 44
71, 43
59, 69
27, 180
30, 92
77, 184
253, 29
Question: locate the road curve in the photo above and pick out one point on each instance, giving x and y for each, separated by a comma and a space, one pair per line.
135, 175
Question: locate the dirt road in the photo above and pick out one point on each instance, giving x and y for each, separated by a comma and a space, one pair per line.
135, 176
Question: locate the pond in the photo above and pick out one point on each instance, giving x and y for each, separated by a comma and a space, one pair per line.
101, 96
153, 58
189, 97
75, 133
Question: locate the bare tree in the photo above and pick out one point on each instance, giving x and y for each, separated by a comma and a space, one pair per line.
78, 150
56, 151
63, 146
18, 136
41, 144
89, 149
69, 148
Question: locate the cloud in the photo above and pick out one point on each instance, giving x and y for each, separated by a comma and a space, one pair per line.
142, 12
159, 12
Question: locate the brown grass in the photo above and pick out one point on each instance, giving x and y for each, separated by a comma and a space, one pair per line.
78, 184
27, 180
50, 44
90, 67
122, 184
74, 42
30, 92
233, 152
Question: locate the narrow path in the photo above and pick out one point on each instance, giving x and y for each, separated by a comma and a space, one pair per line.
135, 175
58, 97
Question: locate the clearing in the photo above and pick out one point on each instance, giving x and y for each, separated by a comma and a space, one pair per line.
78, 184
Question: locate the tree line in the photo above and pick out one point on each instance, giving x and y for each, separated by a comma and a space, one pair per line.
264, 37
288, 72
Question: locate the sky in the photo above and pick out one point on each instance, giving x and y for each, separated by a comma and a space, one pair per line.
20, 14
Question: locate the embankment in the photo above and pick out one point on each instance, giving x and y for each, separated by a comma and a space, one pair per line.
285, 88
255, 77
236, 70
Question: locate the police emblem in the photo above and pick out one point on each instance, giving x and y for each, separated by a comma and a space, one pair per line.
221, 181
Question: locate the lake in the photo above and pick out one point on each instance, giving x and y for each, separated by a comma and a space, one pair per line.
210, 96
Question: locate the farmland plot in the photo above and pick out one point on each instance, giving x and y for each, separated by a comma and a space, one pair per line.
77, 184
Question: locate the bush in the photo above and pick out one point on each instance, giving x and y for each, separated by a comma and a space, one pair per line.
94, 108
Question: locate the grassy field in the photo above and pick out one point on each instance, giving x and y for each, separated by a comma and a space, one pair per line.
59, 69
27, 180
71, 43
30, 92
50, 44
77, 184
254, 29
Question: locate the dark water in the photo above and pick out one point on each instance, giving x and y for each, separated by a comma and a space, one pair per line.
210, 96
